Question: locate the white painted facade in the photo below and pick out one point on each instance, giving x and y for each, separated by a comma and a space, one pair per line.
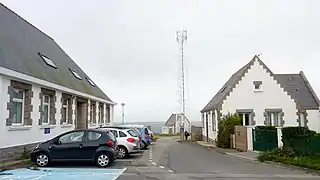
11, 136
270, 96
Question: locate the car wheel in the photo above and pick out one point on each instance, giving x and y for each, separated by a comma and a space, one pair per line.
103, 159
123, 152
42, 159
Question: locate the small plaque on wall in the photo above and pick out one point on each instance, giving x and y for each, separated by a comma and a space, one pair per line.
46, 130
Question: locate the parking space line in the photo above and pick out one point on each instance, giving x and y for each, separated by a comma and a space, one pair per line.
124, 160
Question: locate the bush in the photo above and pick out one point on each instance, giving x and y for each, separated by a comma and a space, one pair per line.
266, 127
225, 128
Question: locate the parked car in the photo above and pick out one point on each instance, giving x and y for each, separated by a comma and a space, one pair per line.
128, 141
122, 127
145, 136
78, 145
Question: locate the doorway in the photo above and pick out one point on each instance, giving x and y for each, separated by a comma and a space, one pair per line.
81, 121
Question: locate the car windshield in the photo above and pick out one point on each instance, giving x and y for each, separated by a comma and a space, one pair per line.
132, 133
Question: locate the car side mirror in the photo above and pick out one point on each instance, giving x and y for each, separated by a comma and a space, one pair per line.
57, 142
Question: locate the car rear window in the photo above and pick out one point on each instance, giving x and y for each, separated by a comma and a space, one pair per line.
132, 133
111, 136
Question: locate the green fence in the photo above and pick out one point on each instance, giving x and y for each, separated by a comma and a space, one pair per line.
264, 139
306, 145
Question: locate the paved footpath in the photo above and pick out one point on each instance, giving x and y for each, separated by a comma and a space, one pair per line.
173, 160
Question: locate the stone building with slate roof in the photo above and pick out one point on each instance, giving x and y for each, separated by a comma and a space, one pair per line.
43, 92
261, 97
172, 125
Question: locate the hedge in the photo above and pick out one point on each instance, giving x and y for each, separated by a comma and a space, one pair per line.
225, 128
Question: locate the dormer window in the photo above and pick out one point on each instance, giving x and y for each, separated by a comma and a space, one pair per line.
90, 81
47, 60
223, 89
75, 74
257, 85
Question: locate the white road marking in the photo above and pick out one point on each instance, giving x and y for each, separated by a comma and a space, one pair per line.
154, 163
243, 157
170, 170
161, 167
124, 160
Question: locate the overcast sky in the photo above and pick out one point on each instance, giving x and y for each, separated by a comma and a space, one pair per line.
128, 47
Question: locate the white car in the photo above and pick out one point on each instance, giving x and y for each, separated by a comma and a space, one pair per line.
128, 141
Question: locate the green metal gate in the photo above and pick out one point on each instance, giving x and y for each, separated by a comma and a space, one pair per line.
264, 139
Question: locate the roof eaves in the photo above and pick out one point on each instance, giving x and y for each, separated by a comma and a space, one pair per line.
310, 88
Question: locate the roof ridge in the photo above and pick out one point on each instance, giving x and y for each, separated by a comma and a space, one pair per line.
1, 4
309, 87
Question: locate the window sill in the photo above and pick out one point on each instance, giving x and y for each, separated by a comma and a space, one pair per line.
47, 126
19, 128
258, 91
66, 125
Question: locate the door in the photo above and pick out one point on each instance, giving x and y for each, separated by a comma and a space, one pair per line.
68, 147
92, 143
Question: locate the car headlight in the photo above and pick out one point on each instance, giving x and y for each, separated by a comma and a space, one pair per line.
36, 147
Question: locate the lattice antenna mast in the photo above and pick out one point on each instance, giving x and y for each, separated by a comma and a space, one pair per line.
181, 39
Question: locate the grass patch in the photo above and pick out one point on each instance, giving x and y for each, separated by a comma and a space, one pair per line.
287, 157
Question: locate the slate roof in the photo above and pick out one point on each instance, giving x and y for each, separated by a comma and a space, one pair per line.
20, 43
305, 96
172, 120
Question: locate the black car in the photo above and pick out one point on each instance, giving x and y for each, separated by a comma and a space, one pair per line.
99, 146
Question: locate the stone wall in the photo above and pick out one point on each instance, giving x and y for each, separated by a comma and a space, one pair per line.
15, 152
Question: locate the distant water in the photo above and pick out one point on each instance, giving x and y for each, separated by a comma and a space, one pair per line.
156, 127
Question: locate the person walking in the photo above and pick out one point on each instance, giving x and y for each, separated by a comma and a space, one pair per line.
186, 134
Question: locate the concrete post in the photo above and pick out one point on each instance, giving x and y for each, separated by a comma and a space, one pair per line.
279, 135
250, 138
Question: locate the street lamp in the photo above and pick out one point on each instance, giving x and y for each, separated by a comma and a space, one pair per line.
122, 104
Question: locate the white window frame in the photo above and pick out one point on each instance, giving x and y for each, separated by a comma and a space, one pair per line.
272, 115
75, 74
46, 104
244, 118
22, 109
91, 113
65, 106
100, 114
48, 61
90, 81
213, 118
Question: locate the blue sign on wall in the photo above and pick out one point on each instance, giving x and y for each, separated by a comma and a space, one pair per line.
46, 130
182, 129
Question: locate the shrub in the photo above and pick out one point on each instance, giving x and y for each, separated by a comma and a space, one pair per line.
225, 128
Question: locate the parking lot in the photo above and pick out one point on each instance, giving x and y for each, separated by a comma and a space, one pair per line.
70, 171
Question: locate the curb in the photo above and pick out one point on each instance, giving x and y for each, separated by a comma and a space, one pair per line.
307, 170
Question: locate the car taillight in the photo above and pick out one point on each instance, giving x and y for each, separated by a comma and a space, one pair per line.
131, 140
110, 143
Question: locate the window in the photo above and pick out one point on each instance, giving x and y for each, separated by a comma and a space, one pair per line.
112, 136
223, 89
65, 111
257, 85
245, 119
122, 134
71, 137
115, 133
91, 112
46, 109
75, 74
17, 107
100, 114
132, 133
273, 118
213, 122
93, 136
47, 60
90, 81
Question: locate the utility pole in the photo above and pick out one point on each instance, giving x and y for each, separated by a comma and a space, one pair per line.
122, 104
181, 39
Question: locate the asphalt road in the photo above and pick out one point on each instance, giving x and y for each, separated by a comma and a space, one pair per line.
168, 159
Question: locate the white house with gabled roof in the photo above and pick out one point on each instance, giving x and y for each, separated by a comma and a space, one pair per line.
261, 97
43, 92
